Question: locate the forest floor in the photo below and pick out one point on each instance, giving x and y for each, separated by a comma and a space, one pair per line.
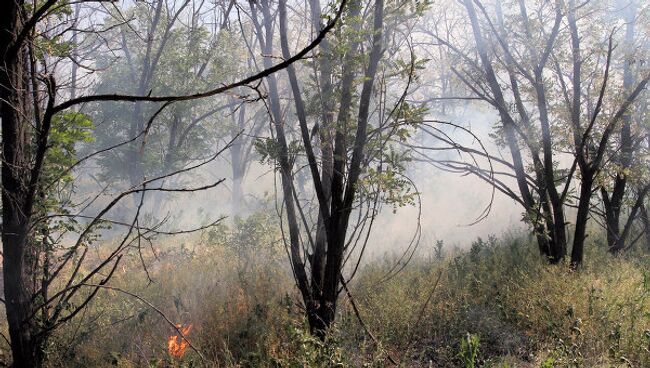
496, 304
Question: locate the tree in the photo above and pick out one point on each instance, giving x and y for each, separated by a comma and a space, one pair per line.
44, 286
337, 143
162, 47
625, 182
590, 149
514, 55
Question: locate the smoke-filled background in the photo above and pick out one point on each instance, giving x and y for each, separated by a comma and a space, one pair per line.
276, 183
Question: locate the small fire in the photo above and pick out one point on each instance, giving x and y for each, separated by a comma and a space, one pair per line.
176, 345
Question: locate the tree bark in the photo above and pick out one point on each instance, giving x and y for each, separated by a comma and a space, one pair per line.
582, 217
20, 258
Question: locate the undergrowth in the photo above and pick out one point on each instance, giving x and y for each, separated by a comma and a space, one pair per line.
496, 305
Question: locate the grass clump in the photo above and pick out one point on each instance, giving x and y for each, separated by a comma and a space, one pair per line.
524, 311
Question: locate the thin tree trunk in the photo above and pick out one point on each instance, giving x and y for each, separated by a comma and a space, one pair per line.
265, 37
548, 247
342, 199
646, 224
582, 217
327, 161
613, 204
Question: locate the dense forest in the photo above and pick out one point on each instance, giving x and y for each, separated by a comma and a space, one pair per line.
341, 183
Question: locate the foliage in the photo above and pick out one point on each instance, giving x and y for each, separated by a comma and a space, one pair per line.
469, 350
189, 60
69, 129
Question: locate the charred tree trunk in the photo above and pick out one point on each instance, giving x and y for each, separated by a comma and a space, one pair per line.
580, 142
328, 134
343, 195
612, 221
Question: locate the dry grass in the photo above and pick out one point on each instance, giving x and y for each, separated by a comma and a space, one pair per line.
525, 312
232, 284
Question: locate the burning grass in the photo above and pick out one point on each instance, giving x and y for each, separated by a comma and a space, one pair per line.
176, 345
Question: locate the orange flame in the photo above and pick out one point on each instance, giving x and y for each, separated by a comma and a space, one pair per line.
176, 345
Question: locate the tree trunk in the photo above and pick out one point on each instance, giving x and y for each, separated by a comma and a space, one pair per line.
19, 253
323, 244
555, 248
237, 201
577, 253
237, 161
559, 243
614, 204
264, 33
612, 222
646, 225
325, 130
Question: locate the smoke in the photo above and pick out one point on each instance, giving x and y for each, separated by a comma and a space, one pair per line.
452, 207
